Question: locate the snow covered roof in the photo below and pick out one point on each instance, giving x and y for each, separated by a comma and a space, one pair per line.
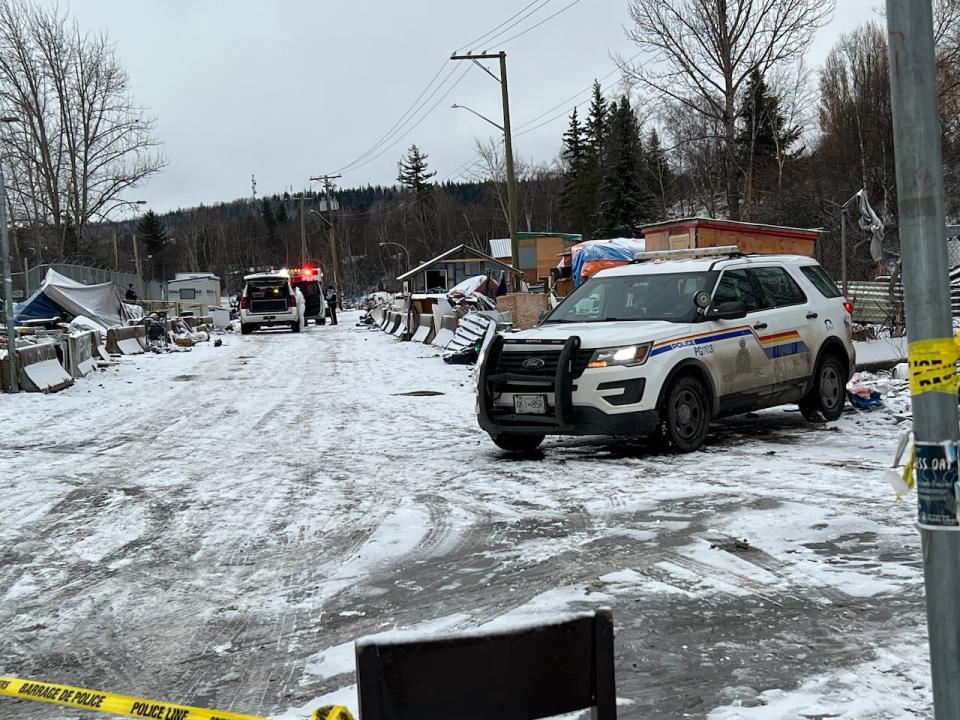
194, 276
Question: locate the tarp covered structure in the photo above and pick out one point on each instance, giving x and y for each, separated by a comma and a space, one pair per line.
592, 256
60, 296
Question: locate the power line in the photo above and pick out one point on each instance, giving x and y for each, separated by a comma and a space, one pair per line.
534, 27
419, 120
391, 206
564, 103
484, 38
416, 105
567, 109
386, 136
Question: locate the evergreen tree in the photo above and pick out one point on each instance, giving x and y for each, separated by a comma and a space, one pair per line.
763, 140
414, 174
269, 219
71, 240
658, 177
626, 204
764, 136
153, 235
576, 196
281, 213
595, 133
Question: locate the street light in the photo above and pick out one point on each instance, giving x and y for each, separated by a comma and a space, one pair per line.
13, 385
410, 294
402, 247
121, 203
482, 117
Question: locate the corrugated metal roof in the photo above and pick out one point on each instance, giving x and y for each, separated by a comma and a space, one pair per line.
500, 248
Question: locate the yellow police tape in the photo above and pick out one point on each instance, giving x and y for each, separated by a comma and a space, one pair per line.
933, 365
133, 707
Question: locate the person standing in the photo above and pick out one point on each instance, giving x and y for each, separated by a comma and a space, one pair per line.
331, 297
131, 293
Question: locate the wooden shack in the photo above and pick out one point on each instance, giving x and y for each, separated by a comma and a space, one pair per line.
691, 233
538, 252
450, 268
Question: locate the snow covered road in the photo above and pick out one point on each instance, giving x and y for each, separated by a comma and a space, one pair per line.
217, 527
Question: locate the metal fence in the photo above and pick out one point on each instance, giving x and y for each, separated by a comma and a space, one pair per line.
26, 283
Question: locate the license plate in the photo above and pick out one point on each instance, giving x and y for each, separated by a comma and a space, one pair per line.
269, 317
530, 404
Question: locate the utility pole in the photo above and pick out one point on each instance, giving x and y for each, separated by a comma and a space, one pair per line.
507, 146
136, 256
12, 385
334, 254
303, 229
932, 351
843, 249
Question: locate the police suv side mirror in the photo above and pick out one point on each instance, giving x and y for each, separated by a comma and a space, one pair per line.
733, 310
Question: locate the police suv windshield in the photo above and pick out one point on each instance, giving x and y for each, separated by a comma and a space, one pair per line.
657, 296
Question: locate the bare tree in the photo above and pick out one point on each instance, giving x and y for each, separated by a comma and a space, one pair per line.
492, 169
81, 141
699, 53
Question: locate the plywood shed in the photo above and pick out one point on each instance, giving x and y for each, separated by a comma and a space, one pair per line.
537, 252
691, 233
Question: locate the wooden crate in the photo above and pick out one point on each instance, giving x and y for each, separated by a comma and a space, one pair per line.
524, 308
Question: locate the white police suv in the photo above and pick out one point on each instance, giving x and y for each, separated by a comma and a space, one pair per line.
665, 344
268, 300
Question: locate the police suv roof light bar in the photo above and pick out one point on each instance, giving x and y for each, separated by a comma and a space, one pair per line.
730, 250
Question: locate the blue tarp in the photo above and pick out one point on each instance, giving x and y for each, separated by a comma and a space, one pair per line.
623, 249
38, 307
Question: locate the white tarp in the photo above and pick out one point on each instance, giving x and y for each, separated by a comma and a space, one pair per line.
869, 221
103, 304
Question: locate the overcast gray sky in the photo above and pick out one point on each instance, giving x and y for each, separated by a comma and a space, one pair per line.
303, 87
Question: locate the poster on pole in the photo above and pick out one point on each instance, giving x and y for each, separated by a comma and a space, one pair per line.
936, 469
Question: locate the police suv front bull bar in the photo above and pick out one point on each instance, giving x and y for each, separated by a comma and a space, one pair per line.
562, 418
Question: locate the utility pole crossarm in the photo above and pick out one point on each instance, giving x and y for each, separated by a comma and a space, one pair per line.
483, 56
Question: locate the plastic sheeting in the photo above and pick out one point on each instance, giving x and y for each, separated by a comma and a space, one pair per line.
592, 256
59, 295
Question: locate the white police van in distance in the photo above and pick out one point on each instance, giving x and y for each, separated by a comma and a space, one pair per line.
667, 343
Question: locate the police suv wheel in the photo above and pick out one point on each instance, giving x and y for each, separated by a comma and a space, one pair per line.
517, 443
829, 392
685, 416
810, 411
